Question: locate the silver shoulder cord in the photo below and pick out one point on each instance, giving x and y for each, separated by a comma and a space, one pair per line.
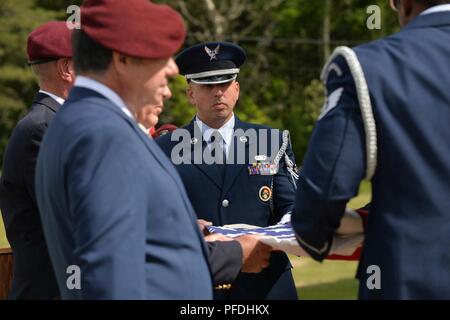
289, 163
365, 104
366, 114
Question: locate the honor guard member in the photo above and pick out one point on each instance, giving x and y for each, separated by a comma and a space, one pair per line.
227, 257
386, 118
259, 190
49, 52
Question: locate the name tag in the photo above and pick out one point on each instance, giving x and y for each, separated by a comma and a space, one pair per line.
260, 157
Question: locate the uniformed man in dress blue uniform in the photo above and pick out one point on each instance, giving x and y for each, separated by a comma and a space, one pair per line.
253, 181
386, 118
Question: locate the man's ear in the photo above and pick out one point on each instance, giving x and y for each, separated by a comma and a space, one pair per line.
190, 94
238, 90
238, 87
120, 62
65, 69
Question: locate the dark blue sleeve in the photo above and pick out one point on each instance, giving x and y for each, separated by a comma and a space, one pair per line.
333, 165
225, 260
32, 144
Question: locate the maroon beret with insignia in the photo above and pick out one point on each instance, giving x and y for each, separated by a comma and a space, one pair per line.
50, 41
136, 28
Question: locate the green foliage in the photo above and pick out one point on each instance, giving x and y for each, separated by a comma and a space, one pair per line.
284, 41
17, 83
247, 110
302, 116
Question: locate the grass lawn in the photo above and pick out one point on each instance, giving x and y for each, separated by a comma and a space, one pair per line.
3, 242
327, 280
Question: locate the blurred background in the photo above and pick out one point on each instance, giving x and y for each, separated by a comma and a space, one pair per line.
287, 43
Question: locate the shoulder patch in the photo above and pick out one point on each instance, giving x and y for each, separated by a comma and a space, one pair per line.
331, 102
332, 67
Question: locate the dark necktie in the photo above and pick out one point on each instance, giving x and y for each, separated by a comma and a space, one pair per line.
218, 148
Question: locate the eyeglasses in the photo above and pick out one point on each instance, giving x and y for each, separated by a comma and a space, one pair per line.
394, 4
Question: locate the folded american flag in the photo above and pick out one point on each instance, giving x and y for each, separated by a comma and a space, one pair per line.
281, 231
282, 237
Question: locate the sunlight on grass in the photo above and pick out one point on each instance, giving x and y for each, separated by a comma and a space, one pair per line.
363, 197
327, 280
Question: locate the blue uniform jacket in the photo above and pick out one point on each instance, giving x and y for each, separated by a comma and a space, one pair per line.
113, 205
235, 199
409, 220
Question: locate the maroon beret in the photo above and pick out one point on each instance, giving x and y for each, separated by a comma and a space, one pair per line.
50, 41
136, 28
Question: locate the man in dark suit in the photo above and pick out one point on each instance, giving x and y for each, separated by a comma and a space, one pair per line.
251, 178
388, 104
49, 53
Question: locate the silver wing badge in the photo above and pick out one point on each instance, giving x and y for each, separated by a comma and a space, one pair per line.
212, 53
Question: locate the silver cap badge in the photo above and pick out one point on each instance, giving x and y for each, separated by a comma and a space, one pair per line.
212, 53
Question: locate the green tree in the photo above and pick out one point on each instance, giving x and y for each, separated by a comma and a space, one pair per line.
286, 42
17, 83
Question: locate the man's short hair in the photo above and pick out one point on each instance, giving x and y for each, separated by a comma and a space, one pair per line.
42, 70
88, 55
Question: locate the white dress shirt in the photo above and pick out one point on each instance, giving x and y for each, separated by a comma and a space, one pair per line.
85, 82
438, 8
226, 131
55, 97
